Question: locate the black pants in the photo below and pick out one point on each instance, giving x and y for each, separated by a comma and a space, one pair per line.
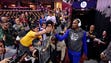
55, 56
24, 49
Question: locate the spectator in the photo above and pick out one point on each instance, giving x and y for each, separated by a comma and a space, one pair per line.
17, 26
7, 32
2, 36
23, 18
2, 48
24, 21
59, 49
51, 17
42, 19
91, 46
106, 54
104, 39
26, 41
4, 19
103, 43
8, 38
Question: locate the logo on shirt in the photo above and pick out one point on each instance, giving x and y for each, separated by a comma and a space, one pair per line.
74, 36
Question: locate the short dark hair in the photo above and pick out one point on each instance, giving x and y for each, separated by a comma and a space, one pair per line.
50, 12
34, 26
43, 22
77, 19
49, 22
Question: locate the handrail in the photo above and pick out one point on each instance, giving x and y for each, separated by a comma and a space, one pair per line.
19, 10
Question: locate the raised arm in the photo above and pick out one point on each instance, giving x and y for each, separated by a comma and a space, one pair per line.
47, 30
60, 38
41, 32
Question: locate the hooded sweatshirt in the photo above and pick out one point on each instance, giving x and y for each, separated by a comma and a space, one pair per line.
76, 40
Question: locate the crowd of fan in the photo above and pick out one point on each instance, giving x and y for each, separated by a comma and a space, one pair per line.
15, 25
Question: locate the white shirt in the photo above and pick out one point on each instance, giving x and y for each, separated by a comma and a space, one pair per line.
52, 18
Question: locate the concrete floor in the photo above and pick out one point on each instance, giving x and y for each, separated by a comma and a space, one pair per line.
91, 61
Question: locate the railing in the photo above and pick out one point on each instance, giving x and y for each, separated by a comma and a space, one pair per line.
19, 10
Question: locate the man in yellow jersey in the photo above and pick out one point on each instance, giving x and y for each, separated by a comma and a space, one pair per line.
26, 41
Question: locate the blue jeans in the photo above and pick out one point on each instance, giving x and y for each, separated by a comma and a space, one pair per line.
74, 56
